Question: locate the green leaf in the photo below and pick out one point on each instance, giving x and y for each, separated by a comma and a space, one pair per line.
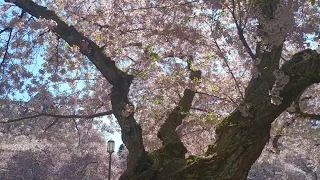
212, 117
154, 56
100, 37
196, 79
214, 88
181, 111
194, 69
66, 45
144, 74
154, 115
313, 2
185, 21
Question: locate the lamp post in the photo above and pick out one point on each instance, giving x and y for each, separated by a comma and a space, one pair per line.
110, 149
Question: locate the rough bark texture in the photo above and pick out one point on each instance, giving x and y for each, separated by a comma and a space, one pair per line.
240, 137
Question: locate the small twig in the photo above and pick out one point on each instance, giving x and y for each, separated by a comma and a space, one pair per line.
131, 30
217, 97
229, 69
52, 124
199, 109
100, 106
131, 59
7, 48
160, 7
78, 130
283, 58
58, 116
4, 30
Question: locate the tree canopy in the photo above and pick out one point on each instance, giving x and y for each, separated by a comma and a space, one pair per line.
196, 87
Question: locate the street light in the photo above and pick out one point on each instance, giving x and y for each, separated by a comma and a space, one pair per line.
110, 149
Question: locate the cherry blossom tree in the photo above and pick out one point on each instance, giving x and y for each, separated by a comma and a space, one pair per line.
194, 85
51, 156
51, 147
25, 157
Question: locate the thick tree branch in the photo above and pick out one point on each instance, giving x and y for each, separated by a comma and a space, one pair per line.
311, 116
167, 133
58, 116
244, 42
298, 113
121, 81
240, 139
269, 62
240, 31
279, 133
73, 37
303, 70
266, 62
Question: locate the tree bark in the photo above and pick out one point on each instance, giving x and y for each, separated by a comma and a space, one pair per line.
240, 139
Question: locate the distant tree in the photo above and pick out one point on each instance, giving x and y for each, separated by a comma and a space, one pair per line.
30, 157
28, 165
34, 149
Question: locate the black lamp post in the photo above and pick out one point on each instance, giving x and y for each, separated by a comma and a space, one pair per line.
110, 149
